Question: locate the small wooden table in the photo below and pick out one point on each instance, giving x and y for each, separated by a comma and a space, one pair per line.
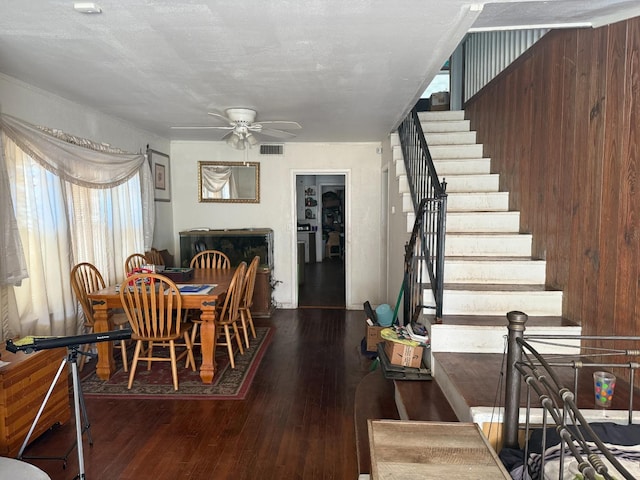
107, 299
431, 450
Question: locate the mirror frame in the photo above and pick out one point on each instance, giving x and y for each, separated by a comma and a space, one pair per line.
256, 198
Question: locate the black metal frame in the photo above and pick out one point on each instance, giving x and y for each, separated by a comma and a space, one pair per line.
526, 364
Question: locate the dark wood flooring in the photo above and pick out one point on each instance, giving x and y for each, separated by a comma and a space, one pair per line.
297, 421
323, 286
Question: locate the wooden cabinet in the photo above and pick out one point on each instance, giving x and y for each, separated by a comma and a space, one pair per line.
24, 382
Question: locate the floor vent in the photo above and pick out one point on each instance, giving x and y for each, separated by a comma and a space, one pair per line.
271, 149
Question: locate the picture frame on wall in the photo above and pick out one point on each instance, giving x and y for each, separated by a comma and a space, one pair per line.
159, 163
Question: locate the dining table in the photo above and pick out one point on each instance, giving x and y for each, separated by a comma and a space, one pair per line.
106, 300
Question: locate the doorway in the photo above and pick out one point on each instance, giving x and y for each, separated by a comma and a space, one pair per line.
321, 240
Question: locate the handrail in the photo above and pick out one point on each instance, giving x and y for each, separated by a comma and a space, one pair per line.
426, 244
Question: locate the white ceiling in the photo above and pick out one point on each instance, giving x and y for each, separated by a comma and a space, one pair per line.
344, 70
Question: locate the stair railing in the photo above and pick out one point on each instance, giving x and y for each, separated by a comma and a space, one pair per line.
426, 245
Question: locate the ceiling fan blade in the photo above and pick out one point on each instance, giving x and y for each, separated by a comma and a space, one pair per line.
221, 117
281, 124
272, 132
202, 127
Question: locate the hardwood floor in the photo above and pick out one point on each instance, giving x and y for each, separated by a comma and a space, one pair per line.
323, 285
297, 421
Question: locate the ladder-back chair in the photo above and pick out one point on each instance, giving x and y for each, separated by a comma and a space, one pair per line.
228, 315
246, 301
153, 305
133, 261
86, 279
210, 259
154, 257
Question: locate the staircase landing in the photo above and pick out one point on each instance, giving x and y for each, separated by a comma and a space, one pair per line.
473, 385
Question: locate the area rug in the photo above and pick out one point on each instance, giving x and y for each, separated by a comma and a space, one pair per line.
228, 383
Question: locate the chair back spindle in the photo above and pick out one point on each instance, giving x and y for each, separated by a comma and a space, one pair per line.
210, 259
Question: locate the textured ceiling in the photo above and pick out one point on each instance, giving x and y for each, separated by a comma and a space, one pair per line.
346, 71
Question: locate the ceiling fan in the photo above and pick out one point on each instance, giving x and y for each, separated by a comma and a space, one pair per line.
241, 123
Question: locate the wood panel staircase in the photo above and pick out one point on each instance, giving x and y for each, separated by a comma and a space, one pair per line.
489, 269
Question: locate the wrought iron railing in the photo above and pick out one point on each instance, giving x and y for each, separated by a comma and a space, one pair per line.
425, 249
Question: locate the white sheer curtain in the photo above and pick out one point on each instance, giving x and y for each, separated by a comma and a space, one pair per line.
44, 300
74, 201
218, 182
13, 267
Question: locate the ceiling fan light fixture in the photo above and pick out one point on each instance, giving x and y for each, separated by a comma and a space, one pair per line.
233, 140
251, 139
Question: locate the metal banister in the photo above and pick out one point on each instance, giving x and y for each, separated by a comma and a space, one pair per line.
426, 245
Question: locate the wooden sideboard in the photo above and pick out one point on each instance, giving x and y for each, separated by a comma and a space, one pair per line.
24, 382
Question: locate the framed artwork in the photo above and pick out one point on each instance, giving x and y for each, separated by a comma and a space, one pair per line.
159, 163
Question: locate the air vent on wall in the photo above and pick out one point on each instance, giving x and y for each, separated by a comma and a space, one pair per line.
271, 149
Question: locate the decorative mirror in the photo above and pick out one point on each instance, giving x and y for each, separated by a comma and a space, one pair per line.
230, 182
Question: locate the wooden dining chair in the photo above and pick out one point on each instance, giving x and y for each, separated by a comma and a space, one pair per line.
227, 315
86, 279
210, 259
246, 301
154, 257
133, 261
153, 305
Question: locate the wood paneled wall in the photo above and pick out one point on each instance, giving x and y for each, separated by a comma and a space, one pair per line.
562, 128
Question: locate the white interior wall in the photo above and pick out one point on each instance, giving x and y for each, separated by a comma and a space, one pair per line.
277, 209
40, 107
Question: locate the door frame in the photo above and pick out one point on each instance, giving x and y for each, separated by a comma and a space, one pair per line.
293, 239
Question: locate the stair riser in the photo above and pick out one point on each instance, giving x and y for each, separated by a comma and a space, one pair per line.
465, 166
403, 185
490, 339
505, 272
487, 203
496, 245
493, 219
483, 222
478, 202
456, 151
450, 138
473, 183
446, 127
535, 303
462, 166
485, 183
442, 116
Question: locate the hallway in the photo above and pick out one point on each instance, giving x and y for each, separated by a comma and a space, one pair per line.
323, 286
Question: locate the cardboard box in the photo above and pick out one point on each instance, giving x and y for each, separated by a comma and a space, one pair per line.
403, 355
439, 101
373, 338
440, 98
